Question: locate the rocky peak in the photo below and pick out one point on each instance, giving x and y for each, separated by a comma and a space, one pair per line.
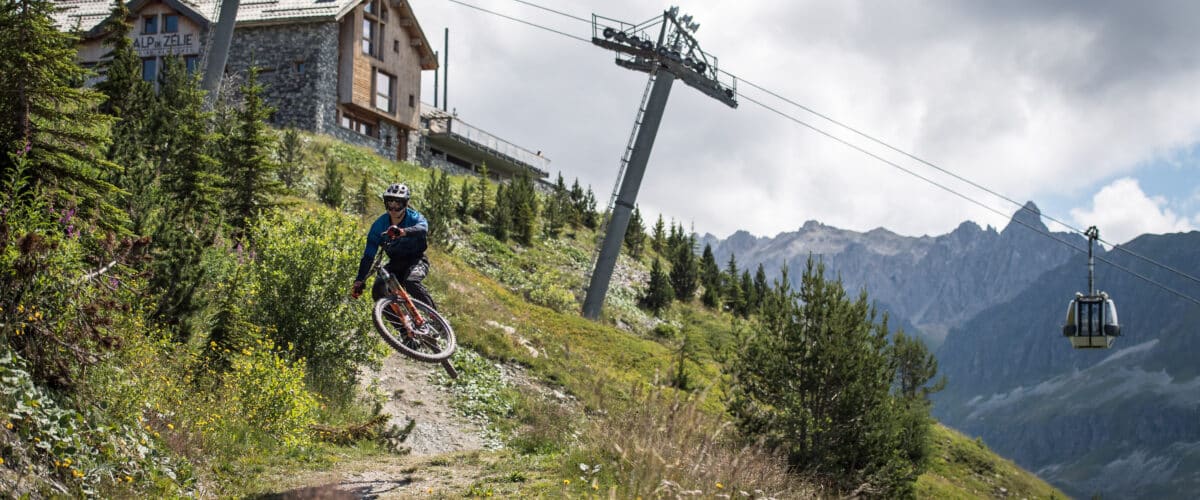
1028, 217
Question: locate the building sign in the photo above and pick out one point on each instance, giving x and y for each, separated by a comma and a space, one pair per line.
166, 44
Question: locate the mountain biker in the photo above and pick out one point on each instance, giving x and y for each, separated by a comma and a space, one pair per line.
402, 232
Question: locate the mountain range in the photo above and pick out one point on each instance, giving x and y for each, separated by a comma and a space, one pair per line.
928, 283
1123, 422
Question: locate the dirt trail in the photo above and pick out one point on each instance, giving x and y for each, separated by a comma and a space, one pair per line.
443, 458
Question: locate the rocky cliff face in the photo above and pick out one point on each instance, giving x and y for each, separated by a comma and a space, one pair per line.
933, 283
1123, 422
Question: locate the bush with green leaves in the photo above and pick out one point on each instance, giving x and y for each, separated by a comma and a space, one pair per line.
304, 264
814, 382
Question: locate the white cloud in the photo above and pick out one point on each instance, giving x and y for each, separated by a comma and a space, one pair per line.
1122, 212
1035, 100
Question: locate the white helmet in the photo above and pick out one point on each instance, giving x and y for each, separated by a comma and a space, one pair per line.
396, 192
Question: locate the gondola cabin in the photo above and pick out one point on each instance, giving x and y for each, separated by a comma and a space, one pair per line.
1092, 322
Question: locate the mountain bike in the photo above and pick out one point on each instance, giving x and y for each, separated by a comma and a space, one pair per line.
410, 326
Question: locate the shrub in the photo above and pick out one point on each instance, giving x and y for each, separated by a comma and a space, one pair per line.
304, 265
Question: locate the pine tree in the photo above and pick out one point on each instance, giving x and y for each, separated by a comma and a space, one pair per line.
501, 218
190, 184
523, 206
685, 272
127, 95
635, 235
577, 204
362, 199
915, 367
332, 191
710, 275
760, 288
815, 382
482, 206
439, 206
659, 293
291, 159
251, 185
464, 201
591, 219
48, 119
658, 238
744, 305
731, 286
558, 211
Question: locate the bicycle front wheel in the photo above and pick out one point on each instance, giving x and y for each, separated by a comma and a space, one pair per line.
432, 342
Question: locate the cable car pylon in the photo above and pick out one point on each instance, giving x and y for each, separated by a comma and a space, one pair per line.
673, 54
1092, 318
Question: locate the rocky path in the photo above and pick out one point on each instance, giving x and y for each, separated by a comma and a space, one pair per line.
443, 458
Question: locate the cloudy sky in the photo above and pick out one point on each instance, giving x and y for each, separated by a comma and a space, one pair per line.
1091, 109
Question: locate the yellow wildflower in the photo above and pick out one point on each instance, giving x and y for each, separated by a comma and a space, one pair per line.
128, 479
8, 425
171, 426
1, 461
719, 485
566, 481
76, 473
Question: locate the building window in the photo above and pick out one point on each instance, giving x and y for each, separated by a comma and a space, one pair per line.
374, 15
149, 69
191, 63
300, 67
385, 86
368, 37
357, 125
412, 101
170, 23
150, 25
396, 46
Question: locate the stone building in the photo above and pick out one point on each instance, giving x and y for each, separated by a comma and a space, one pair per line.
347, 68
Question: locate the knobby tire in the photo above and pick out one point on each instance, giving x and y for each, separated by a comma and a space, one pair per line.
427, 351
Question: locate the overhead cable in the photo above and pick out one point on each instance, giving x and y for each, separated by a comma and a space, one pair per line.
856, 147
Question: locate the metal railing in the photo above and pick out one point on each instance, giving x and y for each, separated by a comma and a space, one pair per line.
441, 122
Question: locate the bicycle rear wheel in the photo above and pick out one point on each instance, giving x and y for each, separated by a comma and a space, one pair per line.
432, 343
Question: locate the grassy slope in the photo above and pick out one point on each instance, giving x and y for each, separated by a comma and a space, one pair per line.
598, 362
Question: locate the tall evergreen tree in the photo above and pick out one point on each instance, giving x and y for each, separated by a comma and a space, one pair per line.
710, 275
760, 288
190, 183
731, 286
658, 237
815, 383
291, 159
577, 200
558, 212
251, 184
481, 209
128, 98
47, 118
745, 305
464, 201
591, 219
635, 234
332, 190
362, 200
501, 218
523, 206
659, 293
685, 272
439, 206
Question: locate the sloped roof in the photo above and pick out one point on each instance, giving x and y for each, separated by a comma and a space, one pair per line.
87, 15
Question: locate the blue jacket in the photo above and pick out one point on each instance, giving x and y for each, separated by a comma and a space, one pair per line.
408, 248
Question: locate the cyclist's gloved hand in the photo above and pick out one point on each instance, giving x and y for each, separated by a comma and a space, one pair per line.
357, 289
394, 232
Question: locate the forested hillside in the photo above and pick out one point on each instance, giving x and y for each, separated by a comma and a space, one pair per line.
176, 321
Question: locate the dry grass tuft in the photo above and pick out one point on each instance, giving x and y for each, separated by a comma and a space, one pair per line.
663, 445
